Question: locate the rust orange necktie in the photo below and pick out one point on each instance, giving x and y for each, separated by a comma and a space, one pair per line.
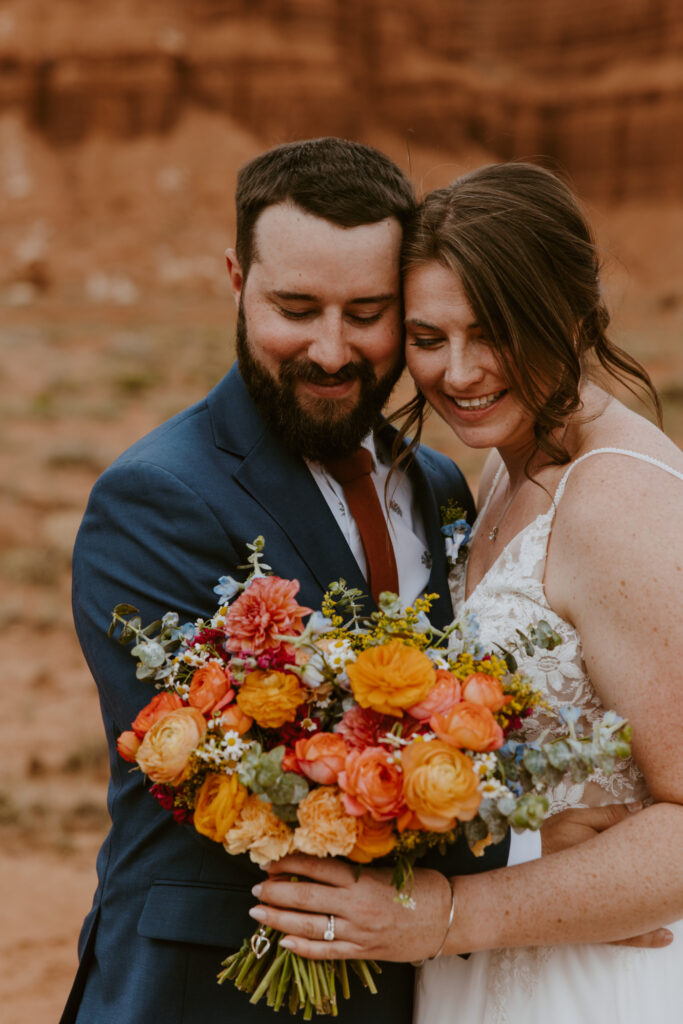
353, 473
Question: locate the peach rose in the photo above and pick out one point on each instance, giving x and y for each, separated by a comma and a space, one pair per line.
442, 696
157, 708
259, 832
166, 749
266, 609
440, 785
271, 698
325, 828
372, 782
128, 745
217, 805
373, 839
484, 689
210, 688
468, 726
321, 757
234, 718
391, 677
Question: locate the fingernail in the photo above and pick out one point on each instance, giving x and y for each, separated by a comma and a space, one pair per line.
258, 913
287, 943
256, 891
666, 937
636, 805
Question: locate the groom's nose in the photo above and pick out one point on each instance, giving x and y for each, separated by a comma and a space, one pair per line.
329, 348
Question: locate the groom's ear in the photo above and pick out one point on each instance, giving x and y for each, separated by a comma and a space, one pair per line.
235, 274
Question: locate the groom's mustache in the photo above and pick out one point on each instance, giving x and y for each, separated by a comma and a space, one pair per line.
297, 369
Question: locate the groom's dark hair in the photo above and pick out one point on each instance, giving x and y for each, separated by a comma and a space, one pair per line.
343, 182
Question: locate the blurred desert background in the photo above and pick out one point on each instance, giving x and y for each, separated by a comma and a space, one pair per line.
122, 127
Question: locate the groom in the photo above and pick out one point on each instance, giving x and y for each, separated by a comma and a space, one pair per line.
319, 341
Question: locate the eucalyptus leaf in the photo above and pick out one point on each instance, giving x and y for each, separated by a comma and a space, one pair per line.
149, 653
475, 831
559, 755
125, 609
510, 661
535, 761
152, 628
286, 812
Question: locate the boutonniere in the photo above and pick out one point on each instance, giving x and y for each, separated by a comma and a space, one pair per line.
456, 531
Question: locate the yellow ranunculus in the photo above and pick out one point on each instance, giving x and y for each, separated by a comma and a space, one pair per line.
271, 698
217, 805
391, 677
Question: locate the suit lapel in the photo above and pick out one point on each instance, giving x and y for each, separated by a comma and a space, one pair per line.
282, 485
442, 609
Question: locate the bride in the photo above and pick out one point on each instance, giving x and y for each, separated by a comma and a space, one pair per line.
580, 525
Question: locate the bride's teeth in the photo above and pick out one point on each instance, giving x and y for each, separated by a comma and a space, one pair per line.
477, 403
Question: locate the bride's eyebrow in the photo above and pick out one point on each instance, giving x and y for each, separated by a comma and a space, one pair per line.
416, 322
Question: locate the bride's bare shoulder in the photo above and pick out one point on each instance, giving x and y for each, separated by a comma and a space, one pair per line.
634, 465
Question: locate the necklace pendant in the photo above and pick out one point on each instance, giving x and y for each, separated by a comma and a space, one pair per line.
493, 534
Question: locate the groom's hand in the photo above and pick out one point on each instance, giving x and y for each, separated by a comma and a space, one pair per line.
576, 825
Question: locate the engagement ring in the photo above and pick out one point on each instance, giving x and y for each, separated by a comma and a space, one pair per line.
329, 932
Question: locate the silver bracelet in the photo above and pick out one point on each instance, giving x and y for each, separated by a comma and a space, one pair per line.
451, 915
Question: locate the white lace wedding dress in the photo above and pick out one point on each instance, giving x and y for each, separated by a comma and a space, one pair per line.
572, 984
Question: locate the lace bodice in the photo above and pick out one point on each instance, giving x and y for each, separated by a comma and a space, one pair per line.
512, 596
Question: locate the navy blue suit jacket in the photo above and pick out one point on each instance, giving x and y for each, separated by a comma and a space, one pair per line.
169, 517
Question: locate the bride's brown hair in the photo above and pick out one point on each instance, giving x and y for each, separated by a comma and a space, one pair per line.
517, 239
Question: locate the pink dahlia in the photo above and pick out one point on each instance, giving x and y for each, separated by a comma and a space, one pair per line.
266, 608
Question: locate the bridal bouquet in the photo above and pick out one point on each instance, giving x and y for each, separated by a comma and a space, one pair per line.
277, 728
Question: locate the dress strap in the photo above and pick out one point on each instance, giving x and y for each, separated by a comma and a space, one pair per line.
482, 510
612, 451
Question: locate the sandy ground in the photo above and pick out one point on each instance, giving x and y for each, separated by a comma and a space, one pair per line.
80, 383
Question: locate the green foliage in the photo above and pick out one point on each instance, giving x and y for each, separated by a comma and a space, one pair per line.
261, 772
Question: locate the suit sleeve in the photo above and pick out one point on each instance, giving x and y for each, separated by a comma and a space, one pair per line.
149, 540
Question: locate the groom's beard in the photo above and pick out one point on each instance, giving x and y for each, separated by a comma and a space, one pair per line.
328, 428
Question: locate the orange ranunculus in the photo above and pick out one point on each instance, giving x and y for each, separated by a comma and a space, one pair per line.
217, 805
440, 785
484, 689
372, 782
166, 749
373, 839
271, 698
442, 696
128, 745
325, 829
234, 718
210, 688
157, 708
321, 757
391, 677
259, 832
468, 726
266, 609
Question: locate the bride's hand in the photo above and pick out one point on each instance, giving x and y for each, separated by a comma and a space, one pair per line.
369, 923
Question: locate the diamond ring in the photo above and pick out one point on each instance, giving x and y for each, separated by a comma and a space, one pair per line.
329, 931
